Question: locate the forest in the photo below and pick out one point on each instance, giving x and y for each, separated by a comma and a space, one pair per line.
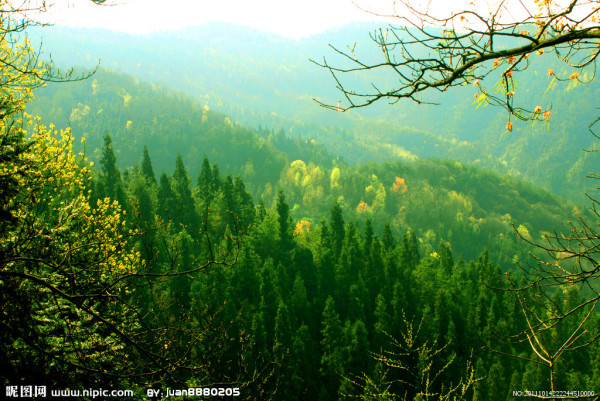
156, 239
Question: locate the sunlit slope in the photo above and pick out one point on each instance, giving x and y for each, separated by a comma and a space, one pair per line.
138, 114
471, 207
263, 80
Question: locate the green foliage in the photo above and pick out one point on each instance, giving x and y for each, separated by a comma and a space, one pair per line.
269, 85
388, 260
296, 313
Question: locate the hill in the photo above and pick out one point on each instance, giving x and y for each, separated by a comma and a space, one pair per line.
262, 80
471, 207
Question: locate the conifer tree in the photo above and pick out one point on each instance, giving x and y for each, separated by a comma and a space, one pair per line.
387, 238
304, 382
367, 238
181, 187
284, 228
269, 298
167, 205
410, 250
282, 335
140, 190
496, 382
229, 207
285, 363
332, 353
180, 285
446, 260
358, 345
205, 184
377, 270
338, 232
303, 263
325, 263
147, 169
111, 176
299, 302
216, 182
382, 327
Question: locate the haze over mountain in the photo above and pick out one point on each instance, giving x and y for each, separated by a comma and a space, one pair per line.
260, 79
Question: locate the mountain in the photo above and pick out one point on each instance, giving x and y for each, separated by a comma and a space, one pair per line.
263, 80
138, 114
247, 243
471, 207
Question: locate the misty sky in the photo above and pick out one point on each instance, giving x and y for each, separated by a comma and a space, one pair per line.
284, 17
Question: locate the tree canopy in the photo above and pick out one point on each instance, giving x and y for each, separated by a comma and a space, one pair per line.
490, 47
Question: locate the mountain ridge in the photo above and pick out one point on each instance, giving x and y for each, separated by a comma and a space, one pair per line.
260, 79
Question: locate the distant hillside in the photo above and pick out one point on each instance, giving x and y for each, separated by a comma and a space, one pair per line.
137, 113
445, 200
260, 79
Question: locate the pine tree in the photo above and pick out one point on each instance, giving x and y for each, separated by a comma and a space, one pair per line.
228, 207
442, 311
400, 306
181, 187
376, 270
111, 177
206, 188
338, 232
244, 202
446, 260
497, 382
147, 169
282, 335
180, 285
357, 301
325, 264
358, 348
382, 327
387, 238
216, 182
304, 381
143, 198
332, 349
303, 263
269, 298
167, 206
285, 362
367, 238
410, 251
299, 301
284, 229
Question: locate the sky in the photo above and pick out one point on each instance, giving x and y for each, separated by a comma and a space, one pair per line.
289, 18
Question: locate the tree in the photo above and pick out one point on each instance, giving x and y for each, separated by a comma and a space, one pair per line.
205, 181
417, 361
332, 349
187, 216
431, 52
284, 223
36, 173
441, 50
65, 263
110, 180
70, 274
70, 278
147, 168
338, 232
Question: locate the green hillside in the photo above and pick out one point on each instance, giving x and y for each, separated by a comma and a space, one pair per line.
187, 223
263, 80
442, 200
